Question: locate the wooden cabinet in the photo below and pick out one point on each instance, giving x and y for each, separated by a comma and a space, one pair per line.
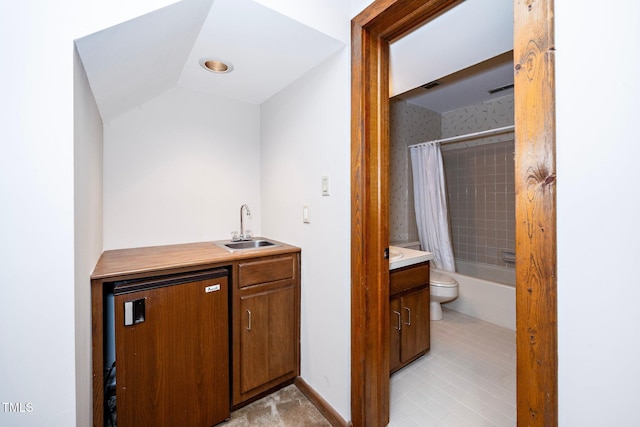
263, 292
266, 325
409, 327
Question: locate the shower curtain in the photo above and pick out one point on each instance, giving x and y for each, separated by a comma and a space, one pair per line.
430, 197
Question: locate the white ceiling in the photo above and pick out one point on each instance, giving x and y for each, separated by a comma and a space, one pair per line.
468, 49
470, 86
135, 61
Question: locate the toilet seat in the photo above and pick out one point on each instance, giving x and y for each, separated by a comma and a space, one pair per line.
441, 280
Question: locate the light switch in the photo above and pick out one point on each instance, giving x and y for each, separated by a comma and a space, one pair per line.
306, 218
325, 186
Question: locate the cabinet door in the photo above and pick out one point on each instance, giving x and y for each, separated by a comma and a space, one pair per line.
172, 362
267, 337
395, 330
415, 324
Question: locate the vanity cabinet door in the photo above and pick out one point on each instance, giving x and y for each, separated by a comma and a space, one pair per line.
415, 325
409, 328
409, 317
395, 331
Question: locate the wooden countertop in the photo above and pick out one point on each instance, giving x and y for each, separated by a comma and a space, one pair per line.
122, 262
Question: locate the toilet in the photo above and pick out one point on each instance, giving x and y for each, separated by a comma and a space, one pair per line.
442, 288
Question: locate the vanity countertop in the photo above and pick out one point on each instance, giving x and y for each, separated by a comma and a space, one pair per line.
403, 257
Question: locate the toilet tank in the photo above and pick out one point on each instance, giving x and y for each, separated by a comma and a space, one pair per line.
409, 245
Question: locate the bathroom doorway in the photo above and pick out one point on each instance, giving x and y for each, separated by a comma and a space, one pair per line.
381, 23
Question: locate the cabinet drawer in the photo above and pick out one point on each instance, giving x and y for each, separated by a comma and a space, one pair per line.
403, 279
267, 270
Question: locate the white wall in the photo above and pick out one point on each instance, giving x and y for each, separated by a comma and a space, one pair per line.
485, 35
88, 144
36, 231
598, 232
305, 134
38, 307
327, 16
178, 168
358, 6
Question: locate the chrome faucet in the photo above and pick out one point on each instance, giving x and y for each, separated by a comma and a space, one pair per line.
244, 236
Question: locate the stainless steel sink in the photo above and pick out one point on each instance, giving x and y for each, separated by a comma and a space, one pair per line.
247, 244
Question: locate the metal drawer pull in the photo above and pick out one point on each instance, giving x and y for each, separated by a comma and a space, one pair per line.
409, 310
399, 320
249, 320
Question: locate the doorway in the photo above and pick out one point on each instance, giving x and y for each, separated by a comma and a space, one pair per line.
536, 338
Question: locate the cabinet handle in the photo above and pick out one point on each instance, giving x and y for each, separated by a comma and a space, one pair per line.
399, 328
409, 311
249, 320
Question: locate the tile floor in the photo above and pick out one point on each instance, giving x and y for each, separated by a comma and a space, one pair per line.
468, 378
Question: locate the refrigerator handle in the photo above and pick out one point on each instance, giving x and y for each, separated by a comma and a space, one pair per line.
134, 312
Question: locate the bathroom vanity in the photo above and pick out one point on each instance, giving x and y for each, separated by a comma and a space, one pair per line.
409, 324
257, 306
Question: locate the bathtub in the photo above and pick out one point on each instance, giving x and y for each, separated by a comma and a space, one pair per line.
491, 298
506, 276
487, 300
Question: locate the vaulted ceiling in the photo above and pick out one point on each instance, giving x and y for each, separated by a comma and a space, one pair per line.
135, 61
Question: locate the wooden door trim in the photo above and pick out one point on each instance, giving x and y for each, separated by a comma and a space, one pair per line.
372, 30
535, 182
369, 236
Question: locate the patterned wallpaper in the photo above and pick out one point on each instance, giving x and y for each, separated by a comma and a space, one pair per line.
479, 176
488, 115
408, 124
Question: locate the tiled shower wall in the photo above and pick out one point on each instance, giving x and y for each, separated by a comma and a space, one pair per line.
480, 186
480, 182
479, 174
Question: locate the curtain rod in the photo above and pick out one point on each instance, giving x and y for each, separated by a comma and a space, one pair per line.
467, 136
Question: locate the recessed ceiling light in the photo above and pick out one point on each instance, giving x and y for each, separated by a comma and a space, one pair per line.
216, 65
